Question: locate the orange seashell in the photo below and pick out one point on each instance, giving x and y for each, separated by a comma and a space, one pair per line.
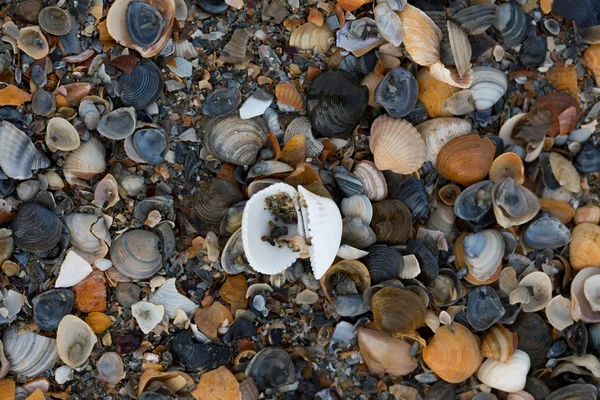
294, 152
90, 294
384, 354
125, 63
309, 36
453, 353
234, 290
340, 14
210, 319
466, 159
289, 98
217, 384
558, 103
371, 81
99, 322
76, 92
499, 343
422, 37
558, 208
316, 17
7, 389
37, 395
584, 248
273, 144
564, 78
104, 35
13, 96
351, 5
396, 310
507, 165
546, 6
61, 101
312, 73
175, 381
353, 269
433, 94
304, 174
592, 58
449, 193
589, 213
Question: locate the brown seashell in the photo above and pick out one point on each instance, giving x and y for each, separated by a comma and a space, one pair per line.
98, 321
391, 222
304, 174
351, 5
546, 6
125, 63
76, 92
449, 193
564, 79
373, 180
7, 389
105, 38
234, 51
90, 294
396, 310
13, 96
234, 291
294, 152
309, 36
453, 353
174, 381
384, 354
592, 58
61, 101
564, 112
437, 132
499, 343
352, 269
422, 37
33, 42
28, 10
217, 384
433, 94
210, 319
315, 16
559, 209
507, 165
288, 97
584, 249
466, 159
588, 213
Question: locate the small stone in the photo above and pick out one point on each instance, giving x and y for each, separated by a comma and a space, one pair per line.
307, 297
63, 374
90, 294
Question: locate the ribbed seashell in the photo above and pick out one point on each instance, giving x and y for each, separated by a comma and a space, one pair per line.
422, 37
535, 336
513, 204
309, 36
533, 53
397, 92
210, 319
28, 10
488, 86
484, 308
168, 296
565, 173
142, 86
507, 376
476, 19
413, 194
433, 94
466, 159
451, 76
499, 343
33, 42
289, 98
357, 233
75, 341
185, 49
70, 42
574, 391
442, 219
199, 357
30, 355
428, 263
61, 135
383, 263
587, 160
18, 155
86, 161
233, 260
558, 312
352, 269
118, 124
51, 306
461, 48
232, 220
453, 353
151, 145
437, 132
397, 311
373, 180
211, 203
359, 206
235, 140
135, 254
396, 145
483, 253
546, 232
389, 24
301, 126
35, 228
55, 20
359, 36
511, 24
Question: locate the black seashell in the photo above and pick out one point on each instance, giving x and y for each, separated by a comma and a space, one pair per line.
411, 191
533, 52
144, 23
546, 232
548, 177
241, 328
428, 5
584, 12
35, 228
442, 391
198, 357
222, 102
348, 183
577, 337
446, 56
537, 388
213, 6
51, 306
427, 261
511, 23
557, 349
335, 104
512, 311
151, 145
498, 143
70, 41
475, 20
480, 44
10, 114
473, 203
484, 308
593, 338
383, 263
587, 160
397, 92
211, 203
349, 305
576, 391
366, 63
535, 336
417, 115
142, 86
272, 368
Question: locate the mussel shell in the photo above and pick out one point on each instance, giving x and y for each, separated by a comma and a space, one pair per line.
474, 202
35, 228
585, 14
546, 232
533, 52
222, 102
136, 255
142, 86
383, 263
213, 6
511, 23
144, 23
594, 338
427, 261
272, 368
397, 92
43, 103
335, 103
211, 203
411, 191
484, 308
55, 20
198, 357
391, 222
241, 328
576, 391
476, 19
151, 145
535, 336
587, 160
51, 306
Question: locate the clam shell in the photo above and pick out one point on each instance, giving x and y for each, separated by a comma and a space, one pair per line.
99, 322
449, 193
29, 10
588, 213
309, 36
433, 94
389, 24
373, 180
142, 86
511, 24
574, 391
43, 103
359, 206
546, 232
437, 132
507, 376
499, 343
347, 252
128, 294
460, 103
583, 306
89, 113
151, 145
564, 112
446, 288
483, 253
267, 168
488, 86
428, 263
212, 202
484, 308
533, 53
55, 20
352, 269
347, 182
51, 306
391, 222
558, 312
474, 202
222, 102
301, 126
396, 145
451, 76
535, 336
397, 92
18, 155
385, 355
412, 193
397, 310
75, 341
272, 368
140, 14
234, 140
110, 368
513, 204
233, 259
118, 124
70, 42
168, 296
507, 165
61, 135
356, 233
559, 209
422, 37
565, 173
85, 234
587, 159
359, 36
135, 254
33, 42
476, 19
383, 263
29, 354
466, 159
35, 228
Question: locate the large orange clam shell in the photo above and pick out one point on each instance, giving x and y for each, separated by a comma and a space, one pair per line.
584, 248
507, 165
437, 132
288, 97
558, 208
7, 389
13, 96
422, 37
466, 159
433, 93
499, 343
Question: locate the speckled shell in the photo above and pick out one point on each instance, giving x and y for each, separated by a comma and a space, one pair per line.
135, 254
235, 140
466, 159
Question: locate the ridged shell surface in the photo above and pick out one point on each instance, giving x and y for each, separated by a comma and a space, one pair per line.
18, 155
437, 132
301, 126
142, 86
135, 254
235, 140
30, 354
422, 37
488, 86
36, 228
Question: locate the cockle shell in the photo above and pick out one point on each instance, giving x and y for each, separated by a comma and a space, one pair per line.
61, 135
373, 180
168, 296
18, 155
29, 354
488, 86
499, 343
75, 341
289, 98
422, 37
437, 132
235, 140
309, 36
509, 376
86, 161
466, 159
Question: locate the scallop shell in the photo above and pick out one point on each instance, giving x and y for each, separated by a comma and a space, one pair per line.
301, 126
373, 180
422, 37
433, 94
513, 204
75, 341
309, 36
33, 42
483, 253
466, 159
437, 132
142, 86
61, 135
30, 355
499, 343
235, 140
118, 124
18, 155
289, 98
507, 165
509, 376
396, 145
168, 296
86, 161
488, 86
35, 228
55, 20
135, 254
584, 250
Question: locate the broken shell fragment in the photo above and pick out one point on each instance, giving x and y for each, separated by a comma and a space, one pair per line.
513, 204
169, 297
310, 36
147, 315
73, 270
384, 354
33, 42
75, 341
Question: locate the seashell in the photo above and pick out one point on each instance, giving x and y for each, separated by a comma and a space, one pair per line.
151, 145
147, 315
347, 252
43, 103
70, 41
30, 355
144, 23
348, 183
583, 301
565, 173
476, 19
385, 355
592, 59
563, 109
450, 75
118, 124
61, 135
135, 254
460, 103
535, 336
357, 206
446, 288
75, 341
507, 165
335, 281
51, 306
142, 86
106, 192
396, 145
212, 202
588, 213
438, 132
222, 102
210, 319
73, 270
533, 52
397, 92
268, 168
359, 36
271, 368
33, 42
35, 228
433, 94
86, 161
233, 260
422, 37
54, 20
13, 96
449, 193
513, 204
453, 353
587, 160
574, 391
220, 383
349, 305
28, 189
540, 289
461, 48
511, 24
29, 10
213, 6
99, 322
168, 296
484, 308
110, 368
391, 222
488, 86
301, 126
310, 36
558, 312
383, 263
85, 231
412, 193
18, 155
7, 388
315, 16
352, 5
584, 249
483, 253
289, 98
466, 159
474, 202
356, 233
234, 51
373, 180
397, 310
559, 209
234, 140
499, 343
507, 376
89, 114
546, 232
388, 24
128, 294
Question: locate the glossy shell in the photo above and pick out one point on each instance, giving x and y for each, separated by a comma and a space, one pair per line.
397, 310
499, 343
422, 37
118, 124
144, 23
61, 135
546, 232
30, 354
235, 140
412, 193
488, 86
36, 228
391, 222
484, 308
466, 159
135, 254
438, 132
397, 92
151, 145
51, 306
509, 376
142, 86
483, 252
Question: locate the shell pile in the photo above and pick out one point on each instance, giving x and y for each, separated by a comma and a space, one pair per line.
285, 199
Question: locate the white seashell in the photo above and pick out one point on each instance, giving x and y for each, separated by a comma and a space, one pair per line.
80, 230
147, 315
438, 132
271, 118
73, 270
359, 206
461, 47
12, 302
509, 376
483, 253
460, 103
180, 67
539, 283
75, 341
85, 162
168, 296
373, 180
106, 192
488, 86
348, 252
558, 312
185, 49
256, 104
301, 126
591, 291
389, 24
29, 354
507, 128
63, 374
411, 267
103, 264
18, 155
